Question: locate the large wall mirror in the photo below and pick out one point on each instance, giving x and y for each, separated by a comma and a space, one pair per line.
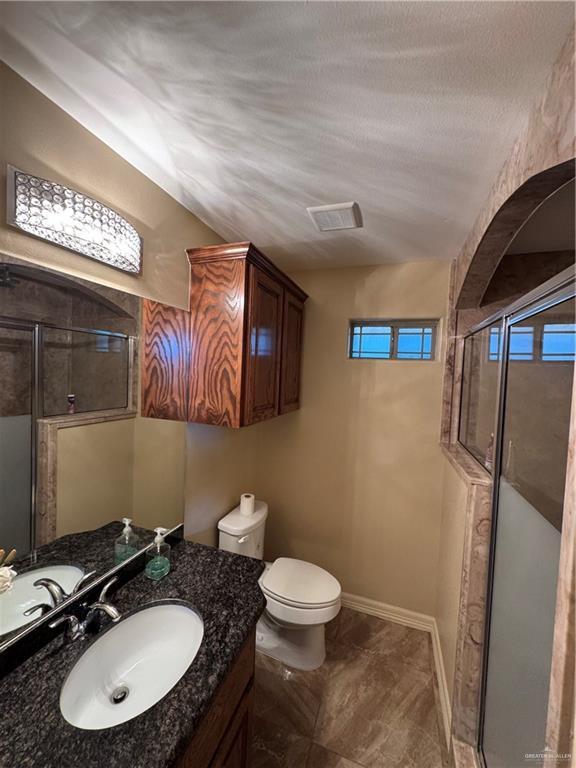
75, 456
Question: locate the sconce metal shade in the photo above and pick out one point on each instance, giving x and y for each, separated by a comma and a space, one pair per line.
63, 216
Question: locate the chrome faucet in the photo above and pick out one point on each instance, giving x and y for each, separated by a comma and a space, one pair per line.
103, 605
75, 629
78, 629
56, 592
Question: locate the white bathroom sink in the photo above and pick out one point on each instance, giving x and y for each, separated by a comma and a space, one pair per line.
24, 594
131, 665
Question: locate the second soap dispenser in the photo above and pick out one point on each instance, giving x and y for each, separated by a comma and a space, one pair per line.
127, 544
158, 556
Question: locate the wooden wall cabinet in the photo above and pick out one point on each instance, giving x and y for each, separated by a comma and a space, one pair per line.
235, 358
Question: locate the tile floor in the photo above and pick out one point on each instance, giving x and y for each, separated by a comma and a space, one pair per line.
372, 704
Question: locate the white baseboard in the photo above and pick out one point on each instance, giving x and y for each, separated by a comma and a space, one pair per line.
416, 621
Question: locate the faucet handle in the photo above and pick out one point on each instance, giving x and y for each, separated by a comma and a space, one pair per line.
82, 581
43, 607
74, 628
105, 588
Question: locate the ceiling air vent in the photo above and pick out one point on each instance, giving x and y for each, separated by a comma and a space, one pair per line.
337, 216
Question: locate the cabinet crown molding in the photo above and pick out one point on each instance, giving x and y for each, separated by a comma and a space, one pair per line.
248, 251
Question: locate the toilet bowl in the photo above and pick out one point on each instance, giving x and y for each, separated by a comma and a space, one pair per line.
301, 598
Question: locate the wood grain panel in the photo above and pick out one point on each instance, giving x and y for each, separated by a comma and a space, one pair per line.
217, 298
234, 750
211, 734
245, 250
292, 329
165, 361
263, 347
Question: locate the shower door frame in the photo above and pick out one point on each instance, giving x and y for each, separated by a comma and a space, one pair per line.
560, 288
35, 410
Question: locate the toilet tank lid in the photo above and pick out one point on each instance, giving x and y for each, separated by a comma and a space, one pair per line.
236, 524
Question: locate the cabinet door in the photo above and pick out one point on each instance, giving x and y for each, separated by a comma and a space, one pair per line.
217, 292
292, 328
263, 347
165, 361
234, 749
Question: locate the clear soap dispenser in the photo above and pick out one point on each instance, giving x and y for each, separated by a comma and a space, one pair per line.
158, 556
127, 544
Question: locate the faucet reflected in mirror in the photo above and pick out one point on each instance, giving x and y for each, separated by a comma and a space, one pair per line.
78, 629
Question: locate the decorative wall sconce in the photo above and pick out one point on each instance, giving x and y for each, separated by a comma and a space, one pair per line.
72, 220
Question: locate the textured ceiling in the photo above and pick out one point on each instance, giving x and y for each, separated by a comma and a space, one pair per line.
249, 112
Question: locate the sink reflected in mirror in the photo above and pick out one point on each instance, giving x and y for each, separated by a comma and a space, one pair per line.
132, 665
25, 596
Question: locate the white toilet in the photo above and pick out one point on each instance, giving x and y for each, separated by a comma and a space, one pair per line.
300, 597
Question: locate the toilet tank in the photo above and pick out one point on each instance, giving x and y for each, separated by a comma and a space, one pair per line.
244, 534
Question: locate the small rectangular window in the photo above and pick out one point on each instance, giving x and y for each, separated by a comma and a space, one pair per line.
521, 343
392, 339
548, 342
558, 341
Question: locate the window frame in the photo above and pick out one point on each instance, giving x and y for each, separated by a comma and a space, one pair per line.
394, 325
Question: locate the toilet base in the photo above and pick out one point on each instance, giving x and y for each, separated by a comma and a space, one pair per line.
296, 646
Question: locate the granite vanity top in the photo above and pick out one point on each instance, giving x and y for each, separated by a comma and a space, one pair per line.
33, 734
93, 550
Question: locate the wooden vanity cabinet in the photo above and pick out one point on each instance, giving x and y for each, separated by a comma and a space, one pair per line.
223, 739
234, 359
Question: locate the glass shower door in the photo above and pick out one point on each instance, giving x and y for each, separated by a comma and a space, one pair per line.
535, 423
16, 422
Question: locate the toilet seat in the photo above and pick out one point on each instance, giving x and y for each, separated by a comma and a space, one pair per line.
300, 593
300, 584
301, 617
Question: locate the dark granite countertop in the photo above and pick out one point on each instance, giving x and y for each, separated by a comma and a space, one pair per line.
90, 550
93, 550
33, 734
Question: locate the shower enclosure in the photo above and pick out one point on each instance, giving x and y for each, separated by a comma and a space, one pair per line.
62, 352
515, 415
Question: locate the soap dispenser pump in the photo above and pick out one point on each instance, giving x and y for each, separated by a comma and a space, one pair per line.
158, 556
127, 544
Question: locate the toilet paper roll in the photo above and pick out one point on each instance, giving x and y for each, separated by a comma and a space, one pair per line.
247, 504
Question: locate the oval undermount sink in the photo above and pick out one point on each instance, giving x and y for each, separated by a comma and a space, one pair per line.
131, 665
25, 595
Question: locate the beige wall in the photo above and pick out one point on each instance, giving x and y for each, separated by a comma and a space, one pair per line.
454, 498
130, 468
354, 477
221, 465
94, 475
159, 469
107, 470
